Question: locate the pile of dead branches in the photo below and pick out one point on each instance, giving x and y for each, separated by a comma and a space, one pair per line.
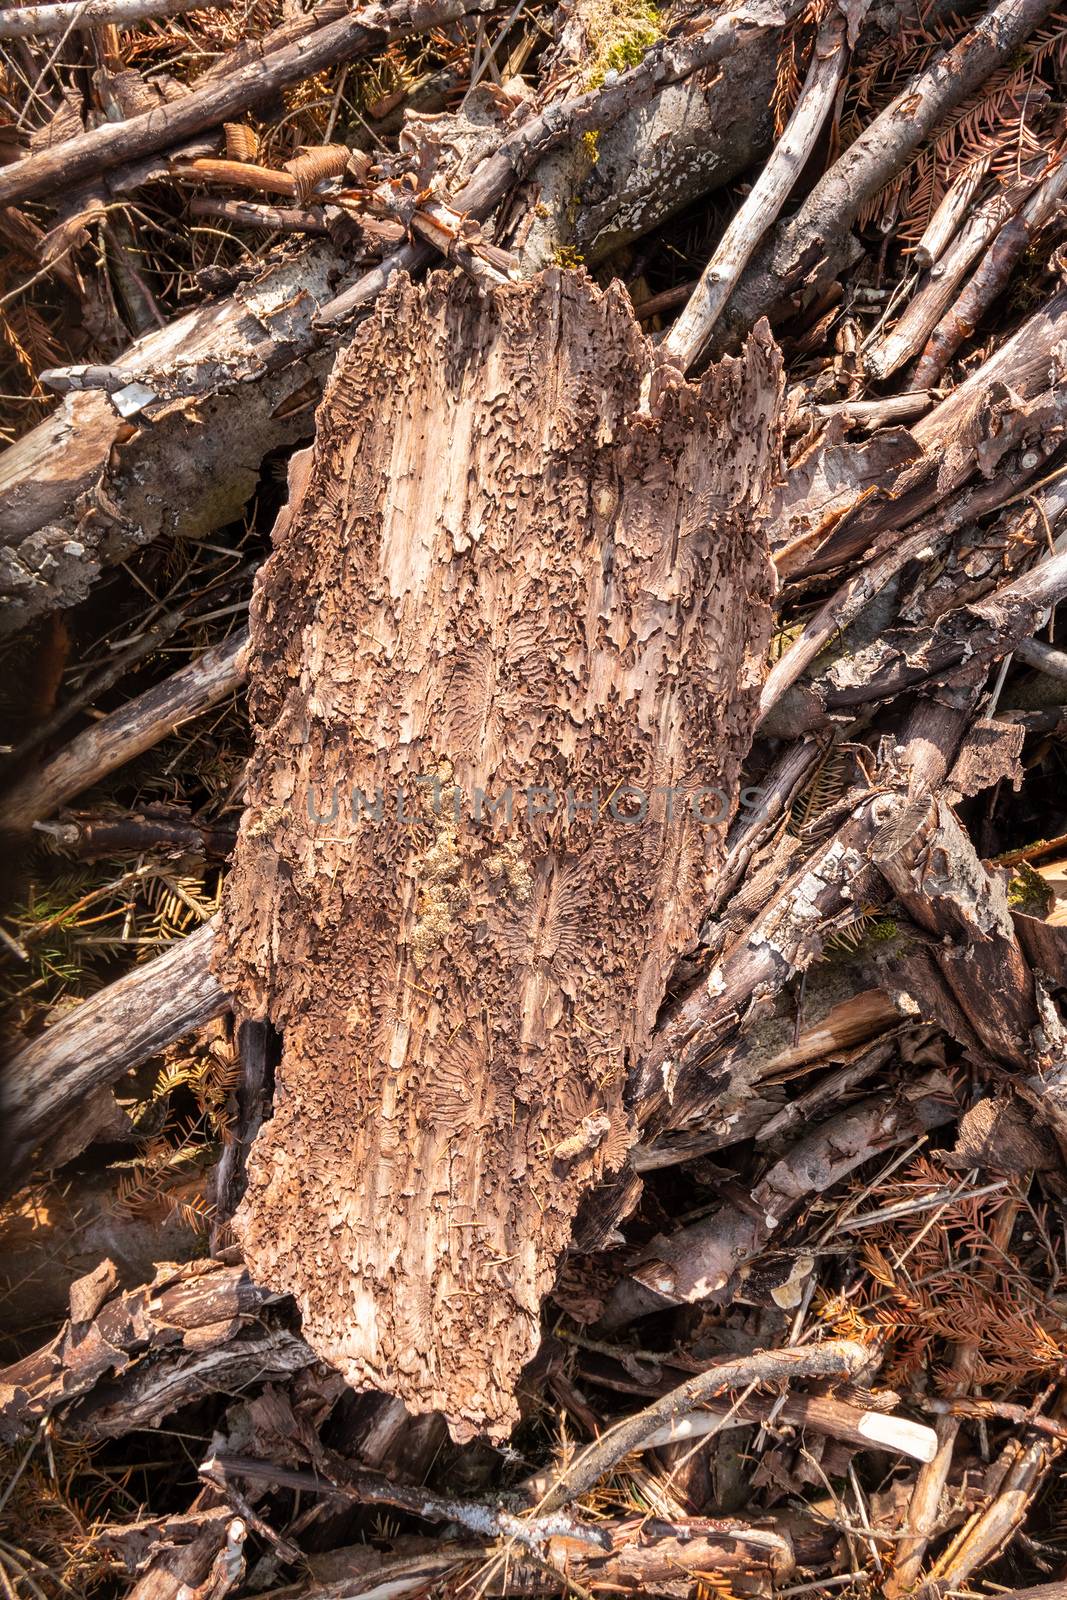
534, 933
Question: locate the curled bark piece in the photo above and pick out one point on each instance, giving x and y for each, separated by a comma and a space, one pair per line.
442, 1008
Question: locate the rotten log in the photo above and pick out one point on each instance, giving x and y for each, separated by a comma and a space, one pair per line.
449, 959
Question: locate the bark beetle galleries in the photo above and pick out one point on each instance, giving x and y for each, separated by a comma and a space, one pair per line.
493, 574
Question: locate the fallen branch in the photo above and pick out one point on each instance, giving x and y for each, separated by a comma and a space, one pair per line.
29, 22
125, 733
114, 143
101, 1039
689, 337
836, 1358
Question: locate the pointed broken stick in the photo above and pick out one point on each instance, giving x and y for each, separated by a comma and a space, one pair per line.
688, 338
133, 728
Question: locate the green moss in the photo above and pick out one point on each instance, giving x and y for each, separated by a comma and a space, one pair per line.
591, 146
620, 34
1029, 893
565, 255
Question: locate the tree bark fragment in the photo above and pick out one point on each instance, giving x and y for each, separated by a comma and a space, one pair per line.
488, 580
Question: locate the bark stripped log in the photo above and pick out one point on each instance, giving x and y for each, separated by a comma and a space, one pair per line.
491, 577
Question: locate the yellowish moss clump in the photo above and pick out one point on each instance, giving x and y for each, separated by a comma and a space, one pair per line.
565, 255
1029, 893
620, 32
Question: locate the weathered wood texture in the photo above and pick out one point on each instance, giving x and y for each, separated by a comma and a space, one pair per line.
493, 575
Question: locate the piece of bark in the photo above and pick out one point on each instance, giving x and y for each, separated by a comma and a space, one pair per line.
451, 1042
100, 1040
125, 733
185, 1309
195, 1557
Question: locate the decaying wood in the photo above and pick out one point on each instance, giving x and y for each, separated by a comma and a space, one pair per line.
191, 1307
464, 1037
607, 959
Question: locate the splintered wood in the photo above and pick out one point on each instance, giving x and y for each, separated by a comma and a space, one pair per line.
505, 664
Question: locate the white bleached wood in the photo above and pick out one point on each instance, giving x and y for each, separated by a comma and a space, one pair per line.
689, 336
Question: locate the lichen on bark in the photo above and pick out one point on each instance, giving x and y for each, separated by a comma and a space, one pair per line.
495, 574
